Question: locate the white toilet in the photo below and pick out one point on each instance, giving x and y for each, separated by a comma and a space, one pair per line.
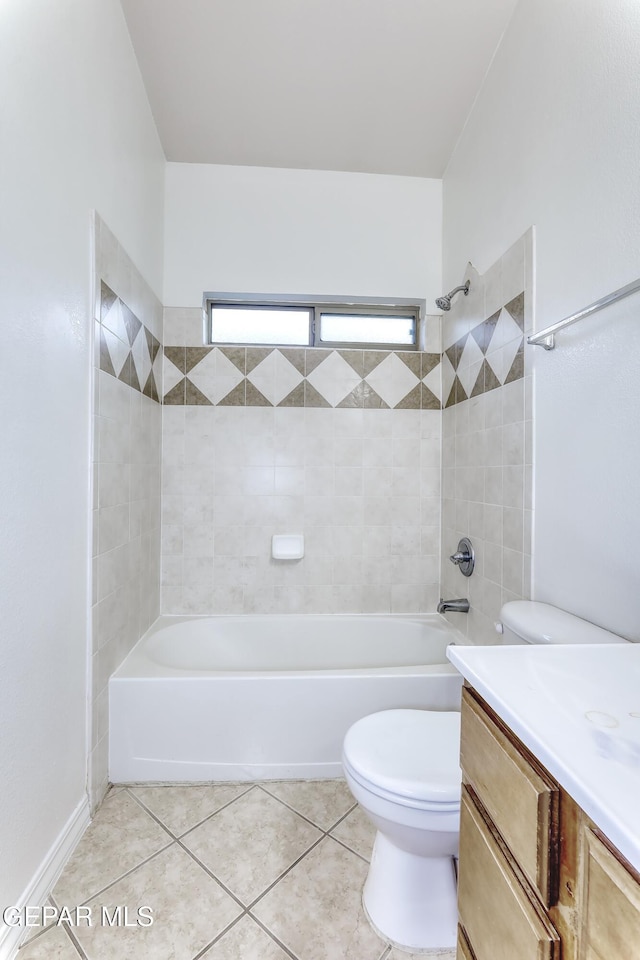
402, 768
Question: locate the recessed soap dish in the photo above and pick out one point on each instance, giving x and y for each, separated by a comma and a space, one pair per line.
287, 546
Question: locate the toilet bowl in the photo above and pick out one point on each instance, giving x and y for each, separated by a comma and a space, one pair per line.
402, 768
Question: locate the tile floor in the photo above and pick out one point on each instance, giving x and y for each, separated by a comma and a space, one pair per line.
265, 871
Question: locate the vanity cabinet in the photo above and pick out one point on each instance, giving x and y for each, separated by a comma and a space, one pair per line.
611, 902
537, 880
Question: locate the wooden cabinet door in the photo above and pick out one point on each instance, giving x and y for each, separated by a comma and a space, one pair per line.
500, 919
518, 794
463, 951
610, 927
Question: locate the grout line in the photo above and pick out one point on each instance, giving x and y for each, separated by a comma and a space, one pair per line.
142, 862
215, 812
76, 944
49, 929
343, 817
152, 815
219, 936
178, 836
127, 874
212, 875
112, 791
285, 872
293, 809
350, 849
326, 833
252, 903
36, 936
275, 939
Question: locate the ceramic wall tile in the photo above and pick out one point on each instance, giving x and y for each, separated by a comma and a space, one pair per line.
126, 476
263, 471
277, 377
487, 441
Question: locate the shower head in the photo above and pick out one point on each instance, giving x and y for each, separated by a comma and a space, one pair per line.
444, 303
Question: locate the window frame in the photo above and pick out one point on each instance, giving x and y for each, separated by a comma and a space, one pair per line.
349, 306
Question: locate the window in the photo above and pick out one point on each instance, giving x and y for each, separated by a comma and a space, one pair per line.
286, 321
231, 323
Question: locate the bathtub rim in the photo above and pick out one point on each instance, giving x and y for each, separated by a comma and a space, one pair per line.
138, 666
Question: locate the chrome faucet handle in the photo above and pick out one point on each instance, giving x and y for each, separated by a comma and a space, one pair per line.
458, 557
464, 557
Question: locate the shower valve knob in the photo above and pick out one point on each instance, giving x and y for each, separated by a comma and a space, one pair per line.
464, 557
459, 558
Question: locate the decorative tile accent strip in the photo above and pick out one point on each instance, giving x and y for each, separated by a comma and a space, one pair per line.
487, 357
127, 350
298, 377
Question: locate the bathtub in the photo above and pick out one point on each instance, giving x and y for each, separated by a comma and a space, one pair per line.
258, 698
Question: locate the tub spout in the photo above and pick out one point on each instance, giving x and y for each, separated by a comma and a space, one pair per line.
456, 606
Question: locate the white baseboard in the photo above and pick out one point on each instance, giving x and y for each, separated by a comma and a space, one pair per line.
46, 876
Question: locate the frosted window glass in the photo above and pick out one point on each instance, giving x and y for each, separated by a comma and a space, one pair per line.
359, 328
259, 325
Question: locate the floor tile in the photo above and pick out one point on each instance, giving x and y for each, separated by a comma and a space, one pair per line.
36, 931
52, 945
246, 941
120, 836
189, 910
250, 837
316, 910
181, 808
251, 842
395, 954
321, 801
114, 790
357, 832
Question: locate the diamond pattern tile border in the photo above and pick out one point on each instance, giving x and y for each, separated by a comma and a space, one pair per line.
127, 350
298, 377
499, 341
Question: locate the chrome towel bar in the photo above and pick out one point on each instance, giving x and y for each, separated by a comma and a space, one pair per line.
546, 337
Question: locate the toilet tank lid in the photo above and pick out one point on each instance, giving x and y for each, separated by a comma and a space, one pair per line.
541, 623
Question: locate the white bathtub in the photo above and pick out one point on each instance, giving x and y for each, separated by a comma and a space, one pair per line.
255, 698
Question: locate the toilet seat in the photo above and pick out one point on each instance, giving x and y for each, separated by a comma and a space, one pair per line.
407, 756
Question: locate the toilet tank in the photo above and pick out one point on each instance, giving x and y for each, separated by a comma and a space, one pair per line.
528, 621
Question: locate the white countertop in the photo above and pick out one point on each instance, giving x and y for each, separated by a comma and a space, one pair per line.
577, 708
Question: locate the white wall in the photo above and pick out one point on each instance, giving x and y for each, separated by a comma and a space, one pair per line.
254, 229
554, 140
77, 134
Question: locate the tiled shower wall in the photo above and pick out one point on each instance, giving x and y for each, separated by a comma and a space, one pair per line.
340, 445
126, 478
487, 448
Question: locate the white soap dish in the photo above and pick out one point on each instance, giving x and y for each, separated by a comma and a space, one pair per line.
287, 546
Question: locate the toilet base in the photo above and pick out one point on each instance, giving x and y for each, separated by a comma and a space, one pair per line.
411, 900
